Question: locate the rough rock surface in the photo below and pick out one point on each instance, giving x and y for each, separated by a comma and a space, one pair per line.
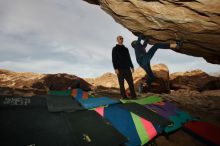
196, 22
194, 80
108, 80
18, 80
61, 82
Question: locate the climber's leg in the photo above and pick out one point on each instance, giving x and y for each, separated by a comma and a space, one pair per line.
150, 74
153, 49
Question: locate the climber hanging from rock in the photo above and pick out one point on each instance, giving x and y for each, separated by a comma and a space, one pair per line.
144, 57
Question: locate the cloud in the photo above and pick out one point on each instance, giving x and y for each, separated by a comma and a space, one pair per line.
51, 36
52, 66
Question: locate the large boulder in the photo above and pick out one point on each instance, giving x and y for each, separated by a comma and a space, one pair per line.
108, 80
61, 81
194, 80
206, 101
15, 83
196, 22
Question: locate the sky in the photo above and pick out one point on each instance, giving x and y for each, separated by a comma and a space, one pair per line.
70, 36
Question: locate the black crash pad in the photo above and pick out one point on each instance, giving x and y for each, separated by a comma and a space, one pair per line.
62, 103
90, 129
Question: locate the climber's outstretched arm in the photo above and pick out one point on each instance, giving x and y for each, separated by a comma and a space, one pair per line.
140, 37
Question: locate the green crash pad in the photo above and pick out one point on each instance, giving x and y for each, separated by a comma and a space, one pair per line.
145, 100
179, 119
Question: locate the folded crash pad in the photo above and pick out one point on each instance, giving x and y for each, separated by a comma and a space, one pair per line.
138, 130
80, 94
96, 102
89, 102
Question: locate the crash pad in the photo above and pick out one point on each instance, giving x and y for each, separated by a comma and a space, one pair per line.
9, 102
144, 100
33, 126
80, 94
90, 129
169, 111
207, 131
60, 92
138, 130
96, 102
158, 121
62, 103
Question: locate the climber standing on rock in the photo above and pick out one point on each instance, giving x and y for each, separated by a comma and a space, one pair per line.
144, 57
123, 67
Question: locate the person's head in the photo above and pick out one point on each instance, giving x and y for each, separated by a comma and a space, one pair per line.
120, 40
133, 44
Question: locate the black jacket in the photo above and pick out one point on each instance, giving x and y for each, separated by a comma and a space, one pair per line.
121, 58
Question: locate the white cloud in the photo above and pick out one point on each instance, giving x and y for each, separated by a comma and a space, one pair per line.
69, 36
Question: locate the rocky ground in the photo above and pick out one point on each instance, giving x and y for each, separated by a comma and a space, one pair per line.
195, 92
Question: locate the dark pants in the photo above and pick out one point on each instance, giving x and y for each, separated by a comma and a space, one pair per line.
125, 74
145, 60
